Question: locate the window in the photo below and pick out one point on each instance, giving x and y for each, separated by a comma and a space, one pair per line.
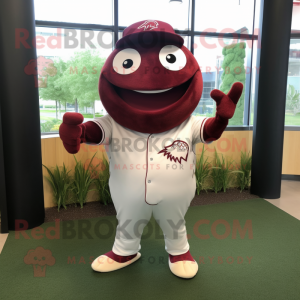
75, 11
131, 11
292, 109
292, 113
224, 16
222, 62
254, 83
69, 68
206, 107
186, 41
70, 57
296, 16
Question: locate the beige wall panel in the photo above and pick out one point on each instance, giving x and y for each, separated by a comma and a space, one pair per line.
291, 153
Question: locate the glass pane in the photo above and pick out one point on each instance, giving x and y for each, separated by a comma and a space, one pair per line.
296, 17
177, 15
187, 41
67, 73
292, 113
254, 80
75, 11
224, 16
222, 62
257, 19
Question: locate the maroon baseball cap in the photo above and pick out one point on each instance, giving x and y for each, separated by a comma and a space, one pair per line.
148, 33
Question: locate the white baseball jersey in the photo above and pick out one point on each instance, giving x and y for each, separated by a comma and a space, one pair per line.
156, 166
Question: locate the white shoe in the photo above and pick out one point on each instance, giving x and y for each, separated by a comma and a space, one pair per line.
184, 269
105, 264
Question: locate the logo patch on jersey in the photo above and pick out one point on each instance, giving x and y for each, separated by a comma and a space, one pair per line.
149, 25
177, 151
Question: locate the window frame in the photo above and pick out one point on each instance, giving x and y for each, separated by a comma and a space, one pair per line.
115, 28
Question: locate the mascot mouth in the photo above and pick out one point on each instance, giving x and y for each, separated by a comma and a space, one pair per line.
152, 91
151, 112
152, 100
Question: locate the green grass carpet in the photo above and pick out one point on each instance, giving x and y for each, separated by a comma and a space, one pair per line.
273, 273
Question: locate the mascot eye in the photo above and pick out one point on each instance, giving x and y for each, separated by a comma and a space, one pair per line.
126, 61
172, 58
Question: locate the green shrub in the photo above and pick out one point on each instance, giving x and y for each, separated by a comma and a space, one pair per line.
102, 184
50, 125
61, 183
225, 171
50, 106
292, 99
222, 173
202, 172
82, 182
216, 174
244, 176
234, 71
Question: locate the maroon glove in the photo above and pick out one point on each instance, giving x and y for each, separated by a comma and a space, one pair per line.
226, 105
73, 132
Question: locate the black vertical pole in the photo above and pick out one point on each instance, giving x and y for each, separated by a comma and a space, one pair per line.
193, 26
20, 115
3, 199
269, 110
116, 21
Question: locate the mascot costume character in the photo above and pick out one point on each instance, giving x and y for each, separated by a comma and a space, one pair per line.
150, 85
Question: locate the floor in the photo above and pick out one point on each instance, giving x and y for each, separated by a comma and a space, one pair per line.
3, 238
288, 202
290, 198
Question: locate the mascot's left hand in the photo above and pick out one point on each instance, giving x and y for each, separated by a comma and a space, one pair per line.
226, 105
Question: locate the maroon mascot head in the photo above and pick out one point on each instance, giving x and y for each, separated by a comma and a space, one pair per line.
151, 82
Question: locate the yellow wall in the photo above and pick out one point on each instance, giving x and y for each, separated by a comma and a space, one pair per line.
230, 144
291, 150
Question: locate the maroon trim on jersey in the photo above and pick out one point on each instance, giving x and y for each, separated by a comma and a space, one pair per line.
147, 172
101, 127
174, 145
201, 135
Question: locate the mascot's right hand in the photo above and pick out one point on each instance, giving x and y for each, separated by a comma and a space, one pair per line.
72, 131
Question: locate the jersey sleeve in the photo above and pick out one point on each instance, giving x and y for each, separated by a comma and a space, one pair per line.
197, 129
105, 124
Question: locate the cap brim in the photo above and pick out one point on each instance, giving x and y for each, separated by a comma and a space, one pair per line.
149, 39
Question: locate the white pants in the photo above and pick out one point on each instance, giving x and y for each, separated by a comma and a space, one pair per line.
134, 214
